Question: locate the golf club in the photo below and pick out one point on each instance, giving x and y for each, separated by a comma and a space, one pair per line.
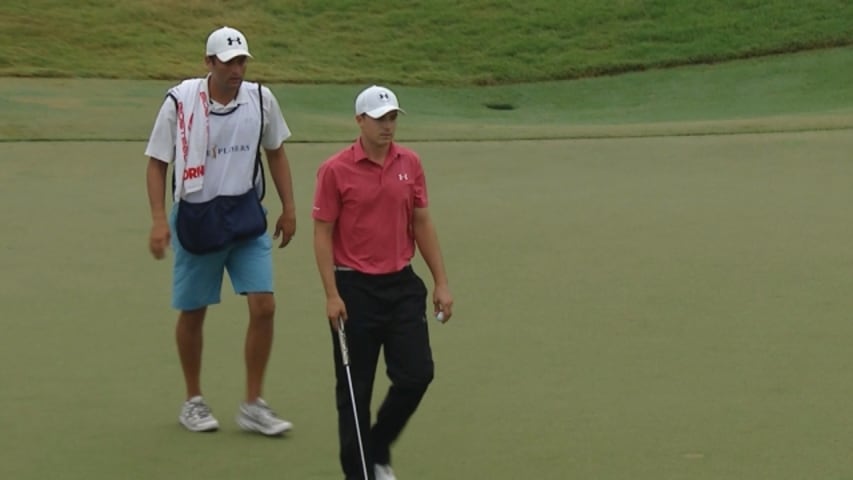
342, 340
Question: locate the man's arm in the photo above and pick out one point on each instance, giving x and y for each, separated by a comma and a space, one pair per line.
323, 253
159, 237
281, 177
426, 239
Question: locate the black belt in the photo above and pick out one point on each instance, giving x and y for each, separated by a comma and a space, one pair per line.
342, 268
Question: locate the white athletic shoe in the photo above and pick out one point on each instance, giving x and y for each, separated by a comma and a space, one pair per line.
383, 472
258, 417
197, 417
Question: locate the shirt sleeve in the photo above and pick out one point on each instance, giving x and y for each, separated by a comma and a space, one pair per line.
161, 143
421, 198
276, 130
327, 199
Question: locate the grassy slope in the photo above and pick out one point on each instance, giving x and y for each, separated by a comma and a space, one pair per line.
419, 42
434, 53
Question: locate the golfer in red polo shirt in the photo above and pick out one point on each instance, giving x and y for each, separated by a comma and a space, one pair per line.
370, 210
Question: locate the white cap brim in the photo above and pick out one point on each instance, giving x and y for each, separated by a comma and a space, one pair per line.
377, 113
227, 55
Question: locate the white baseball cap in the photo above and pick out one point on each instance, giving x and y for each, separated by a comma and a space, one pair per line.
376, 101
227, 43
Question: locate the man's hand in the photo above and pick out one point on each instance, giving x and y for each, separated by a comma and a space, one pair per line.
159, 239
285, 227
442, 301
335, 310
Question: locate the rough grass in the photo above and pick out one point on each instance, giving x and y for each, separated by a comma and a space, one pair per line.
437, 42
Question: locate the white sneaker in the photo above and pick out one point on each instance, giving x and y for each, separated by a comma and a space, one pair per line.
197, 417
258, 417
383, 472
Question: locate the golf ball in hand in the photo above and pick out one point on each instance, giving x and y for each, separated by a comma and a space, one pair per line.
439, 316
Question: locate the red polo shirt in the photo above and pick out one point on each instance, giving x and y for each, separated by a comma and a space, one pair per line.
372, 206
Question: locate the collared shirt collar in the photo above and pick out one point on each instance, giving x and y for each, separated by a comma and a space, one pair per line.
359, 154
241, 98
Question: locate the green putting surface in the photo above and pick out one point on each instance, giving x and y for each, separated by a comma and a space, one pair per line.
648, 308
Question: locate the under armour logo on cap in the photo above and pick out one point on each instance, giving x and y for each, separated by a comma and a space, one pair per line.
227, 43
376, 101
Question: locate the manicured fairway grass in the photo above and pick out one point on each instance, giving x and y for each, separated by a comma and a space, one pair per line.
783, 93
654, 308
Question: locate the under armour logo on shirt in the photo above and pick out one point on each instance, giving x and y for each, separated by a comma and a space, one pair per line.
232, 40
403, 176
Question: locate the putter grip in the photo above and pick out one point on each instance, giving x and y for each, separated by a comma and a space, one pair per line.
342, 340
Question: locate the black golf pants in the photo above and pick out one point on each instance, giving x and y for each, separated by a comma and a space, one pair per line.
385, 313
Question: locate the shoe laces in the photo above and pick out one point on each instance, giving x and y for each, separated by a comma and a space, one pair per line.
198, 410
261, 409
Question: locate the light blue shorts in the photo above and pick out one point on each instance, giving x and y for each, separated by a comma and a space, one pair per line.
197, 279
